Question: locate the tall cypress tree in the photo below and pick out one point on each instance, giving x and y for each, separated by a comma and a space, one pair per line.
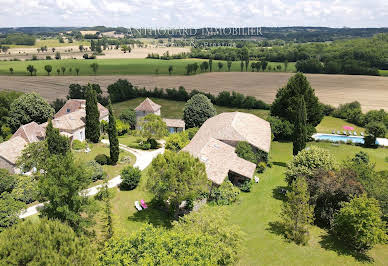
113, 140
56, 143
92, 130
300, 131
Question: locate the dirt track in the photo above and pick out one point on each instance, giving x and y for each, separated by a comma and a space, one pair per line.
371, 92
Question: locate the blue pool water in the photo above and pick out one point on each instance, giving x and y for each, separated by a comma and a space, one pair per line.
338, 138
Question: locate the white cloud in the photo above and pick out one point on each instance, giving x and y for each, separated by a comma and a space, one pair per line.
194, 13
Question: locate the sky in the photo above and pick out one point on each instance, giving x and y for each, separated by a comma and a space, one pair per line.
194, 13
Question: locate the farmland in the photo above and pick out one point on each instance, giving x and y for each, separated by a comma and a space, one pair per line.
133, 66
370, 91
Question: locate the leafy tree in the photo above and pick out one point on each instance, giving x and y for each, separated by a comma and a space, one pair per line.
286, 103
244, 150
307, 161
61, 183
281, 129
220, 66
176, 177
225, 194
9, 211
77, 70
58, 71
58, 104
300, 132
81, 47
63, 69
177, 141
92, 127
170, 69
131, 178
57, 55
94, 170
229, 64
374, 130
202, 238
358, 224
48, 69
328, 189
25, 189
197, 110
94, 67
297, 214
285, 65
27, 108
113, 140
30, 68
34, 155
44, 242
129, 116
210, 64
56, 143
11, 70
7, 181
242, 66
152, 126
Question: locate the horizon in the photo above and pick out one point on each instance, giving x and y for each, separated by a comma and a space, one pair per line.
197, 14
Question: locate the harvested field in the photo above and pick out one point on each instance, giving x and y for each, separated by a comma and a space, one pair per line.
371, 92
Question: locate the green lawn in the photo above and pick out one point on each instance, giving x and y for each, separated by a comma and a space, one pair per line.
174, 109
383, 72
328, 124
257, 214
111, 66
100, 148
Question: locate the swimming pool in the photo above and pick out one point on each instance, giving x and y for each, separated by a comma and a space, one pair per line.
339, 138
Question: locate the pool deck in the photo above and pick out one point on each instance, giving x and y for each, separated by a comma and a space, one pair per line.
382, 141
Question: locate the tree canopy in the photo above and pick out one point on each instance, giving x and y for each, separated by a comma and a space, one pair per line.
28, 108
92, 125
152, 126
44, 242
285, 105
197, 110
175, 177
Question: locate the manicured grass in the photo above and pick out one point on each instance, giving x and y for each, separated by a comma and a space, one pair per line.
50, 43
100, 148
257, 213
111, 66
174, 109
383, 72
329, 123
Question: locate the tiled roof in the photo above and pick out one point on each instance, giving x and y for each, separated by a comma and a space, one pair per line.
174, 123
220, 158
73, 105
12, 149
211, 143
71, 121
148, 106
31, 132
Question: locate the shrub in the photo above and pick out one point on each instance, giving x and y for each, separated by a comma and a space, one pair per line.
131, 177
281, 129
307, 161
197, 110
244, 150
94, 170
225, 194
153, 143
359, 224
246, 185
144, 145
177, 141
102, 159
129, 116
261, 167
78, 145
122, 127
191, 132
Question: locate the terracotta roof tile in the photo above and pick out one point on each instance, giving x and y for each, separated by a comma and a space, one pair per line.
174, 123
148, 106
11, 149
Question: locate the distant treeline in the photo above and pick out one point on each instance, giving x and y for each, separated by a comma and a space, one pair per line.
291, 34
123, 90
17, 38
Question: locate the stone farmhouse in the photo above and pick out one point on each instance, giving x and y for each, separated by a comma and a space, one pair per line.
215, 142
149, 107
70, 120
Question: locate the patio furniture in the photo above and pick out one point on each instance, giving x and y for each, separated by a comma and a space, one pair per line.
143, 204
355, 133
349, 133
333, 132
137, 205
362, 133
338, 132
257, 179
344, 132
